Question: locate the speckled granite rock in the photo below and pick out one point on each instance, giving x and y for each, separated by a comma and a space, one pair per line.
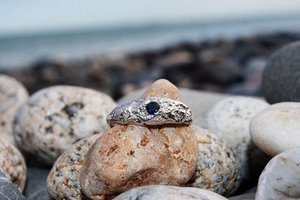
63, 179
7, 190
12, 96
54, 118
230, 119
36, 187
155, 192
12, 164
217, 168
280, 178
129, 156
276, 129
281, 76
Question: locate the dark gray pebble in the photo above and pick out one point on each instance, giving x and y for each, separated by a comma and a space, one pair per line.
36, 184
282, 74
7, 190
249, 196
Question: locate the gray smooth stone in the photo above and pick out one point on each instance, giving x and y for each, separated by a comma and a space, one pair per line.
36, 188
280, 81
7, 190
39, 195
249, 196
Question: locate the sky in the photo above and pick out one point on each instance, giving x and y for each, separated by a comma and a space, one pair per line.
17, 17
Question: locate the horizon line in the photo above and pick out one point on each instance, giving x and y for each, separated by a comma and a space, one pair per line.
141, 25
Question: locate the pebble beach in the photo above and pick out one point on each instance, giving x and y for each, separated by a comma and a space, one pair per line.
243, 143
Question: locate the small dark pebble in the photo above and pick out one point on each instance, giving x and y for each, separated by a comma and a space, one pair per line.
36, 187
7, 190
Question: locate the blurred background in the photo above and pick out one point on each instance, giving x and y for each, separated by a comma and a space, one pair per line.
120, 46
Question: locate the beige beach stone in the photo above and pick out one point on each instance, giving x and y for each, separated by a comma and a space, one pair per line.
12, 164
217, 168
155, 192
276, 129
63, 179
12, 95
163, 88
56, 117
129, 156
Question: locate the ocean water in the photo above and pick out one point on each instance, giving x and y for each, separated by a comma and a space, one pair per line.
21, 51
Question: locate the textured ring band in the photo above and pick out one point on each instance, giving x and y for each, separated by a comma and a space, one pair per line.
151, 111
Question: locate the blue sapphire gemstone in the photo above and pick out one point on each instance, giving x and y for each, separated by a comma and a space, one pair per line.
152, 108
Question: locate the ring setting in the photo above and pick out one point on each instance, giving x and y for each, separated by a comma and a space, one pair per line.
151, 111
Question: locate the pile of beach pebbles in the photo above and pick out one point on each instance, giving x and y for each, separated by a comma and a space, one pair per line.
56, 143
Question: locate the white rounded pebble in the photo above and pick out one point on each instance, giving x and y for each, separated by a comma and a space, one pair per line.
12, 164
155, 192
56, 117
281, 177
276, 129
12, 96
230, 119
217, 168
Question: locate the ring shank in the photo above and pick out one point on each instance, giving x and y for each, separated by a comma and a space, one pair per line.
165, 111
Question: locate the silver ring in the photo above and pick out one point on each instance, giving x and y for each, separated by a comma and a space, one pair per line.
150, 111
